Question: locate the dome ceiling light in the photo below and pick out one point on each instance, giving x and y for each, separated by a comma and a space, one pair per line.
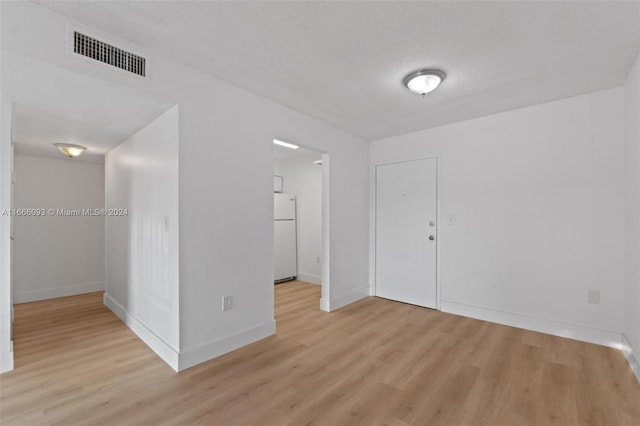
424, 81
70, 150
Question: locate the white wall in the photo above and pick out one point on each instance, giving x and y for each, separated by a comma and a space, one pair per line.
304, 179
632, 193
538, 198
55, 255
142, 245
226, 211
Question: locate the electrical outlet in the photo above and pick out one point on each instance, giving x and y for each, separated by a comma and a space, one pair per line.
227, 303
451, 219
318, 260
593, 296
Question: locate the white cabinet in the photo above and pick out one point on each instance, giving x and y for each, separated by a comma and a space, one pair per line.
277, 183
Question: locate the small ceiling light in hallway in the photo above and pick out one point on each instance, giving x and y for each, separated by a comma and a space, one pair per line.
424, 81
70, 150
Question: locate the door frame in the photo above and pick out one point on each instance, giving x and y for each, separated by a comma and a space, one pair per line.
373, 225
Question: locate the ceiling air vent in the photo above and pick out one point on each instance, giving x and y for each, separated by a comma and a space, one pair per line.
103, 52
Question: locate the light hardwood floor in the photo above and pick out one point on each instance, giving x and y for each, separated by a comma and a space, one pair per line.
374, 362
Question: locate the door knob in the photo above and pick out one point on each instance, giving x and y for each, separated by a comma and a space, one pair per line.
431, 237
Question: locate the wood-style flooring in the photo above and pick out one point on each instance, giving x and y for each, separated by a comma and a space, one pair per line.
375, 362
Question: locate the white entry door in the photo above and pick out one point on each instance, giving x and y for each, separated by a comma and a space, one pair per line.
406, 214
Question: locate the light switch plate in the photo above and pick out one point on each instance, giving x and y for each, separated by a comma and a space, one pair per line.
227, 303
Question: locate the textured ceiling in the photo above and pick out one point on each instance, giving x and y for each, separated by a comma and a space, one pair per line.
52, 105
343, 62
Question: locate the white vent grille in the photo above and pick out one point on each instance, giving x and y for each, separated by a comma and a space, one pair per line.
103, 52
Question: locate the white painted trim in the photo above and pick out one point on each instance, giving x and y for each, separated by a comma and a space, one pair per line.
541, 325
309, 278
632, 357
53, 292
326, 234
6, 285
325, 305
348, 298
151, 339
372, 228
6, 360
198, 354
373, 194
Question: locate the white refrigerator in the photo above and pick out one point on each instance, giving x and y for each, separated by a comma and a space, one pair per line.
285, 260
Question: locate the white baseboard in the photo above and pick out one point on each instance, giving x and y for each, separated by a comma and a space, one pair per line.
6, 360
53, 292
632, 356
557, 328
348, 298
155, 342
325, 305
309, 278
196, 355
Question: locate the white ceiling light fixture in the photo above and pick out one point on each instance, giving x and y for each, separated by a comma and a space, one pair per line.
70, 150
285, 144
424, 81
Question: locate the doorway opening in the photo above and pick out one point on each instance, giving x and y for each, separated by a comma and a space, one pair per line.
301, 226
